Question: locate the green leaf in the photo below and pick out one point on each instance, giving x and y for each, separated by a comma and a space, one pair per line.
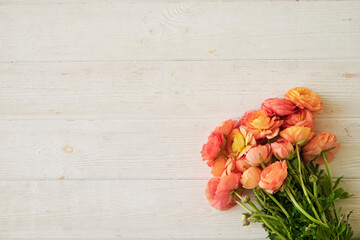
337, 182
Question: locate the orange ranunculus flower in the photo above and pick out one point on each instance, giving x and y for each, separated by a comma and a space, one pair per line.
282, 149
226, 127
239, 142
259, 154
278, 106
242, 165
223, 166
303, 118
273, 176
219, 166
251, 177
217, 191
321, 142
297, 134
212, 148
305, 98
260, 124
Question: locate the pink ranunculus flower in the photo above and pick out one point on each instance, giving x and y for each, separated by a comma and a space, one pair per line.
259, 154
273, 176
212, 148
303, 117
278, 106
242, 165
321, 142
282, 149
297, 134
226, 127
260, 124
217, 191
250, 178
305, 98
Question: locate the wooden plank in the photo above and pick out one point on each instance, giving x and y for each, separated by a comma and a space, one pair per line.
174, 30
131, 149
125, 209
170, 89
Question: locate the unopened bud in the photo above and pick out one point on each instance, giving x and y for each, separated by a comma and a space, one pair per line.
246, 199
307, 229
313, 178
245, 216
246, 222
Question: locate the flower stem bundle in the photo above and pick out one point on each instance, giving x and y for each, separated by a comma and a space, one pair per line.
275, 153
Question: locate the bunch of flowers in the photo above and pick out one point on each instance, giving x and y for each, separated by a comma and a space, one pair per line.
275, 153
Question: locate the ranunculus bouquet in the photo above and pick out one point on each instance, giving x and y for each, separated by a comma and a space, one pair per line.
275, 153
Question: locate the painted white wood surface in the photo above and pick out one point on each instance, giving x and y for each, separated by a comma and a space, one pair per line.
104, 107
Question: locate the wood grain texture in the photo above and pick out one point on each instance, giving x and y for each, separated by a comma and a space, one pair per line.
104, 107
131, 149
197, 30
170, 89
124, 209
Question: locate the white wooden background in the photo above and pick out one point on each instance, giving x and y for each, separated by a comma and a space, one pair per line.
104, 107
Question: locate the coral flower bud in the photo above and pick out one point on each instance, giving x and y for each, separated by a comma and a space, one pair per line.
259, 154
303, 117
297, 134
305, 98
273, 176
322, 142
251, 178
282, 149
278, 106
242, 165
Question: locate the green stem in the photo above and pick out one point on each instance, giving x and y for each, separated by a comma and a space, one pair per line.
263, 165
272, 229
279, 204
297, 178
323, 217
302, 210
328, 171
258, 211
303, 185
245, 207
330, 179
261, 202
263, 215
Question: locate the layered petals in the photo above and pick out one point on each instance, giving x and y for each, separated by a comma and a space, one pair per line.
213, 147
251, 177
260, 124
297, 134
241, 164
226, 127
239, 142
303, 117
282, 149
278, 106
259, 154
322, 142
305, 98
273, 176
217, 191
